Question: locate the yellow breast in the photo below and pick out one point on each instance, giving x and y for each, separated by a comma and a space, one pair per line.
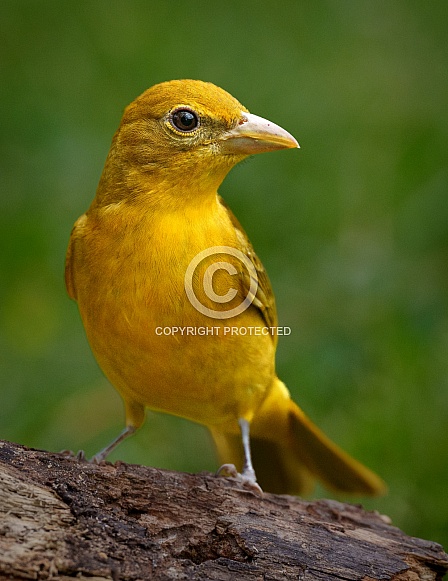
154, 345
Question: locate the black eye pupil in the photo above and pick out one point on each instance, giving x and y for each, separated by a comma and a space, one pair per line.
185, 120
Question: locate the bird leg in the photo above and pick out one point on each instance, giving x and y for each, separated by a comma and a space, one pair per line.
102, 454
247, 478
248, 469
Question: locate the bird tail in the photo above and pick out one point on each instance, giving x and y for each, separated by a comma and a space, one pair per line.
289, 452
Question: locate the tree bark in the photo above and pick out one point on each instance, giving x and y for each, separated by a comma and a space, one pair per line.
63, 518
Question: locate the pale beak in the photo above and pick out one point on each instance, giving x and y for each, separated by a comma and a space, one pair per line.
254, 134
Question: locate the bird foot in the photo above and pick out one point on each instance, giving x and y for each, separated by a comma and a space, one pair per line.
80, 455
246, 479
98, 459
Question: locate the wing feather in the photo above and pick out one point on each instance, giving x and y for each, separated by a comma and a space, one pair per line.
264, 299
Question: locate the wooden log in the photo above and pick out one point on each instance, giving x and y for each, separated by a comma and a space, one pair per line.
61, 518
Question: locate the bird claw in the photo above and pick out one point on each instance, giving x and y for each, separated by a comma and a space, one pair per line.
246, 479
228, 471
80, 454
97, 459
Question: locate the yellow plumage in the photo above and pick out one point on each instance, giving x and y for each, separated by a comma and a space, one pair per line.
155, 210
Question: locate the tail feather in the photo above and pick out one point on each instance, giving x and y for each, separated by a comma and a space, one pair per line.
329, 463
278, 471
289, 452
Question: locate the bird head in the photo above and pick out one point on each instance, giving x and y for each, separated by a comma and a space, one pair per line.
183, 136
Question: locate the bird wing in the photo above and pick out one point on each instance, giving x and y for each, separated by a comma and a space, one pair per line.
264, 299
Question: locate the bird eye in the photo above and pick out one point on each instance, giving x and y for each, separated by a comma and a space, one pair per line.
184, 120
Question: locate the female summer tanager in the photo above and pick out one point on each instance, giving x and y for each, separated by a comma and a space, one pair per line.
177, 307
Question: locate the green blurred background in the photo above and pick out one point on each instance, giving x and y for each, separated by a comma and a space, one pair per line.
353, 228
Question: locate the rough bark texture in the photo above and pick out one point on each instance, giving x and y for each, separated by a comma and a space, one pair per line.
61, 518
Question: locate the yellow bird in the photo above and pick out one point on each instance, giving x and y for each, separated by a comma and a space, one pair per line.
177, 307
